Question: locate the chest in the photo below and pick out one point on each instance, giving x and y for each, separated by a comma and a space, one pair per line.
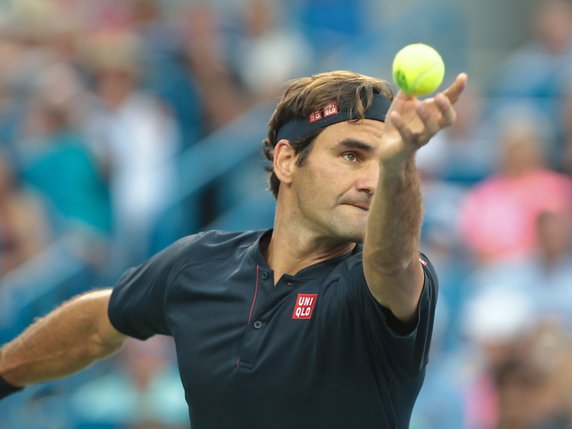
240, 322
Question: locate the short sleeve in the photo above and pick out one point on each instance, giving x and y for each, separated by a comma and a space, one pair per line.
406, 352
137, 303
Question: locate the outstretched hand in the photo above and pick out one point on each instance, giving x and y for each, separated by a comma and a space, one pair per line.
411, 122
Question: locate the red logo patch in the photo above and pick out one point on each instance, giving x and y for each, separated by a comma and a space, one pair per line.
330, 109
304, 305
315, 116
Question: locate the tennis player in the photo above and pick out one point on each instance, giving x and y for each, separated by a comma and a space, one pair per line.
323, 321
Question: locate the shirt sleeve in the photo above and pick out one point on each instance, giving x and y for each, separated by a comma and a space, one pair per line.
406, 348
137, 303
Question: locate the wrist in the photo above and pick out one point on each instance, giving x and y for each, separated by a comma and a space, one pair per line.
7, 388
398, 167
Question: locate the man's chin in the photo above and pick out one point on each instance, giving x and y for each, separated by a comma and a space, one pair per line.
354, 234
348, 226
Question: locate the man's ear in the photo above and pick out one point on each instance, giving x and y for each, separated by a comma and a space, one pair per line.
284, 161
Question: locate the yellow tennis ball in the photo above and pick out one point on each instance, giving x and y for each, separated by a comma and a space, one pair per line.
418, 69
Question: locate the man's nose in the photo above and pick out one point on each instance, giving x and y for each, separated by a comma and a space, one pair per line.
368, 180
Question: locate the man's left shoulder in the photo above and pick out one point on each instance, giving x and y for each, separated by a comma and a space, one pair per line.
428, 269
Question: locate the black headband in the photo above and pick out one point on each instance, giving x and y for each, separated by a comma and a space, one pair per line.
295, 129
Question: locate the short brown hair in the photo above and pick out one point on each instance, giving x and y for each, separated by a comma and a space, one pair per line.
309, 94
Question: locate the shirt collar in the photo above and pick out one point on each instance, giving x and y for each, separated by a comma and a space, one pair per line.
313, 271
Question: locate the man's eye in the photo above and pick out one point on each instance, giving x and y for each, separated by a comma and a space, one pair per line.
350, 156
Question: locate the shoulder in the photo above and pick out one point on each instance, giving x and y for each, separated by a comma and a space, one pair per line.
429, 269
215, 244
217, 240
193, 250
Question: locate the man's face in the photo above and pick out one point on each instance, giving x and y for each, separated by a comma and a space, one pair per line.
334, 188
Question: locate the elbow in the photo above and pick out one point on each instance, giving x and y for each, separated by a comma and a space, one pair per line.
103, 338
100, 348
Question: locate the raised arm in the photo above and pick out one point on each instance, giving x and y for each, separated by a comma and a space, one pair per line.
391, 262
65, 341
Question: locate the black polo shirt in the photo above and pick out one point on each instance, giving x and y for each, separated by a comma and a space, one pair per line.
313, 351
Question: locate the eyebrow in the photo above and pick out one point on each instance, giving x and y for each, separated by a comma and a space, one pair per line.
354, 144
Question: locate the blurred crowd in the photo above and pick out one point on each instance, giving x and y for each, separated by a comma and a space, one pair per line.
99, 103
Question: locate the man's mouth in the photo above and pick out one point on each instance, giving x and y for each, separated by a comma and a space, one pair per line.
361, 206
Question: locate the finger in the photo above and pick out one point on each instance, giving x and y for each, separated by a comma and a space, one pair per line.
403, 96
429, 121
400, 126
456, 89
401, 99
448, 113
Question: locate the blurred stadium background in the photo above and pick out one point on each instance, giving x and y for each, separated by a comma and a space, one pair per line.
127, 124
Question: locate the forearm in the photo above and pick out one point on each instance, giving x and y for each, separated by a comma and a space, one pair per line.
395, 218
393, 273
68, 339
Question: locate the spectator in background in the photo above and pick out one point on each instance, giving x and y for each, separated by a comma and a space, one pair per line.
518, 384
23, 228
24, 55
525, 396
61, 168
542, 276
547, 60
135, 139
544, 57
495, 325
269, 52
499, 215
547, 273
163, 70
541, 280
222, 96
514, 385
518, 317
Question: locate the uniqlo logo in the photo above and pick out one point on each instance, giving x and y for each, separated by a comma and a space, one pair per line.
315, 116
330, 109
304, 305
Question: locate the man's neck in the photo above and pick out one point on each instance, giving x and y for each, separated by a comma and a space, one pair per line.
292, 248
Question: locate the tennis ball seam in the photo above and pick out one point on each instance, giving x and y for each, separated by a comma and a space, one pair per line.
431, 69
